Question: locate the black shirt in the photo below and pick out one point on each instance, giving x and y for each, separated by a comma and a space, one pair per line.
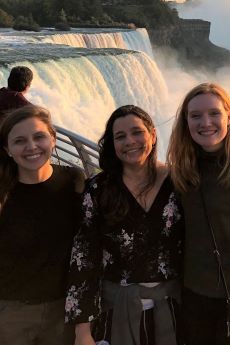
202, 274
37, 225
142, 247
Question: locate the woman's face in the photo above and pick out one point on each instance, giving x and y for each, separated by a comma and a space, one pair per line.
30, 144
132, 140
208, 121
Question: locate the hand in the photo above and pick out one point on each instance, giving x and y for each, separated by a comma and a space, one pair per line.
86, 341
83, 334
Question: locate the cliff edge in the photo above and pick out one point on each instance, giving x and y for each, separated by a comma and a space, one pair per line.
190, 38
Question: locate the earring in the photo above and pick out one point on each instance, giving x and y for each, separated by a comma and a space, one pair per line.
9, 154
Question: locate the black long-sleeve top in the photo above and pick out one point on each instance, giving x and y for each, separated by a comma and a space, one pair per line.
142, 247
37, 225
202, 273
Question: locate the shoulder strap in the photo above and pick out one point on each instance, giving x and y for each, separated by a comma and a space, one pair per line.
217, 254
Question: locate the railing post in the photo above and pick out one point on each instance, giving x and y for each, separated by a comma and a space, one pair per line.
86, 150
84, 156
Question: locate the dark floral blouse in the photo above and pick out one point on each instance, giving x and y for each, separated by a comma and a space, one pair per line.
143, 247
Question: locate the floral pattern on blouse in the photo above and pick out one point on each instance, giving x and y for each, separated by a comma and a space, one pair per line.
170, 214
143, 247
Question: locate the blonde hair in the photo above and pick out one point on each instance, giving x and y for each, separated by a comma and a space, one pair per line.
182, 150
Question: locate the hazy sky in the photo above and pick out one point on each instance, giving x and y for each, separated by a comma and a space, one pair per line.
217, 12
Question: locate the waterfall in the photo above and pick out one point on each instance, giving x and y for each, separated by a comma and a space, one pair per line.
83, 85
82, 92
132, 40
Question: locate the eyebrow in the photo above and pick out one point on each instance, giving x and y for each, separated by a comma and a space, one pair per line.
22, 136
198, 110
18, 137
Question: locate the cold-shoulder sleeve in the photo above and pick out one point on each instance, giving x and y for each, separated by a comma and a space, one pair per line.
83, 294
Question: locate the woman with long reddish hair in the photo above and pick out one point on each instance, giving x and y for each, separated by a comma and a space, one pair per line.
199, 160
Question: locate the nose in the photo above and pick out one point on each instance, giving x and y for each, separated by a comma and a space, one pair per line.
129, 139
205, 120
31, 144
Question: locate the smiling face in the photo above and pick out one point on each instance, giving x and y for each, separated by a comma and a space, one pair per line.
208, 121
132, 140
30, 144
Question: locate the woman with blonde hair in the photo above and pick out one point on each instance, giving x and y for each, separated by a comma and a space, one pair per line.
39, 209
199, 160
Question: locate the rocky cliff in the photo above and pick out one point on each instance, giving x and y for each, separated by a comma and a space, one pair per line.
190, 38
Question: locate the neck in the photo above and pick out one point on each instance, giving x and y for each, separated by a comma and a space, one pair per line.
138, 174
22, 92
36, 176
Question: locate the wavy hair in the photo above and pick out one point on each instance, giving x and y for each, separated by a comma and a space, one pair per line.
8, 167
183, 151
113, 201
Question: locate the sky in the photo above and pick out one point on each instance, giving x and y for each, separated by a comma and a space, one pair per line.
217, 12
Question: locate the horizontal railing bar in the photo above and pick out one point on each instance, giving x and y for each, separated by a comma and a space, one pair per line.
77, 137
67, 151
63, 140
91, 153
80, 149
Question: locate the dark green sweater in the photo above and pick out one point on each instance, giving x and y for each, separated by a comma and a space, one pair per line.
201, 269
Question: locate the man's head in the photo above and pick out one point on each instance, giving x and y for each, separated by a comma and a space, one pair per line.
20, 78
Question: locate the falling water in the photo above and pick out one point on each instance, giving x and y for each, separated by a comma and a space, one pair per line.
82, 85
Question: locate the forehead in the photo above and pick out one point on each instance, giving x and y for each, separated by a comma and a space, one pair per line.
28, 126
127, 122
204, 101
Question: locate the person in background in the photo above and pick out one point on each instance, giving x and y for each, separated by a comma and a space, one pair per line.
40, 205
13, 96
199, 159
127, 255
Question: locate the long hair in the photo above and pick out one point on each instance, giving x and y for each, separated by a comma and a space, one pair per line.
113, 201
8, 167
183, 151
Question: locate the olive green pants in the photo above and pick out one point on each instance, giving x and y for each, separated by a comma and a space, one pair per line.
34, 324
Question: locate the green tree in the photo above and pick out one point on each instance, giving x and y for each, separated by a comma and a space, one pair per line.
62, 18
6, 20
75, 7
44, 11
26, 23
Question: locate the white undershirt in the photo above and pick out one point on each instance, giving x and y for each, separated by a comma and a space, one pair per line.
147, 303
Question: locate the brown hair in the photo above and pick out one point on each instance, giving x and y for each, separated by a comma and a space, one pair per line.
113, 201
182, 150
20, 78
8, 168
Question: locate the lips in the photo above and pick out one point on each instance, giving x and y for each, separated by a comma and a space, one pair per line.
208, 133
134, 150
34, 156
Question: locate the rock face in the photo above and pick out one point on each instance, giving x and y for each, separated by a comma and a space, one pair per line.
190, 38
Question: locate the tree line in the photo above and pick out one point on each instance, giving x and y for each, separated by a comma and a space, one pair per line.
32, 14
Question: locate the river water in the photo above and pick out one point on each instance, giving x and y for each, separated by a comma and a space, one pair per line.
82, 76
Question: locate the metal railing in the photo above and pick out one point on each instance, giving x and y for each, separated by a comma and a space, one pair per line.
75, 150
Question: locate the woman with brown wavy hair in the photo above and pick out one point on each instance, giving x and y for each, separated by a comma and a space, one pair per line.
126, 258
38, 213
199, 160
